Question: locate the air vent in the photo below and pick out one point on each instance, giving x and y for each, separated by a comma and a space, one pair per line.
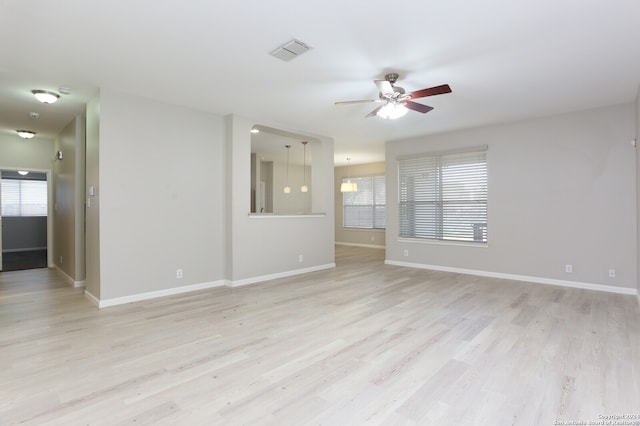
290, 50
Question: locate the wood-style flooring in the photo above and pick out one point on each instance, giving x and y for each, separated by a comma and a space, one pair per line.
364, 343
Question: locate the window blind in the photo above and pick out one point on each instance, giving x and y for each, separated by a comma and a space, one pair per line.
23, 197
365, 208
443, 196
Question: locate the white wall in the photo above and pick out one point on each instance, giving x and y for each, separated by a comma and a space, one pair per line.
33, 154
160, 196
352, 236
258, 247
562, 190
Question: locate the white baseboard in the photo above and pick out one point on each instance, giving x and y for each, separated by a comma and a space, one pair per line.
375, 246
104, 303
247, 281
70, 280
92, 298
537, 280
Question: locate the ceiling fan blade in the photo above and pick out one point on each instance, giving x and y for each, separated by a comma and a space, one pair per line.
357, 102
384, 87
436, 90
374, 112
418, 107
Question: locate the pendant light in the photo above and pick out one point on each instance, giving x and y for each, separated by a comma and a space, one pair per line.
304, 187
348, 186
287, 188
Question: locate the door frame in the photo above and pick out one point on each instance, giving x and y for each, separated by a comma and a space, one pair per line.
50, 210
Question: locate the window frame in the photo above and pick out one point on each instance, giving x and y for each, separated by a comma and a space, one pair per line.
373, 206
431, 224
41, 209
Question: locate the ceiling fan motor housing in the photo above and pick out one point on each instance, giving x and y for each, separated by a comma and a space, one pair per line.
392, 77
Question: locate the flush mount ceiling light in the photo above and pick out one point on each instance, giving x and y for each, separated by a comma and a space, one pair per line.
255, 130
45, 96
26, 134
23, 172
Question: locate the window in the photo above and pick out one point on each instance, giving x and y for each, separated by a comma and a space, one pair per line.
367, 207
443, 196
24, 197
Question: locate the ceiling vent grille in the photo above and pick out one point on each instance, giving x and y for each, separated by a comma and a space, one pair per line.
290, 50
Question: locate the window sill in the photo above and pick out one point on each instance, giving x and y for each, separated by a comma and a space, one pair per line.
444, 242
282, 216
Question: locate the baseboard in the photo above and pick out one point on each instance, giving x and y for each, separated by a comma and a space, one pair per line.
537, 280
92, 298
105, 303
375, 246
247, 281
70, 280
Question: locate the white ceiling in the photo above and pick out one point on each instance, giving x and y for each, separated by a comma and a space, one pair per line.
505, 60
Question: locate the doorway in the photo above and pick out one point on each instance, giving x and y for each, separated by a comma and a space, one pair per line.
24, 220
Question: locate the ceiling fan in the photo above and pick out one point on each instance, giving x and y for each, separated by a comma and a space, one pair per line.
396, 102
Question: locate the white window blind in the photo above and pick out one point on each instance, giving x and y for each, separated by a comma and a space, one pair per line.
23, 197
443, 196
365, 208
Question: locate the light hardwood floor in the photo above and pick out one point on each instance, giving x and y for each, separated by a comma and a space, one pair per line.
362, 343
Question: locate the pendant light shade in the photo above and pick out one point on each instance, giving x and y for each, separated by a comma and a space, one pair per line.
348, 186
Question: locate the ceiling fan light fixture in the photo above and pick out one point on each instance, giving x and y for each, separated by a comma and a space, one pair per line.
26, 134
45, 96
393, 110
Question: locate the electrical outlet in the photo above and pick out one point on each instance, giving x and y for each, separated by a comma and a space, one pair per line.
568, 268
612, 273
406, 253
373, 238
300, 258
178, 273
